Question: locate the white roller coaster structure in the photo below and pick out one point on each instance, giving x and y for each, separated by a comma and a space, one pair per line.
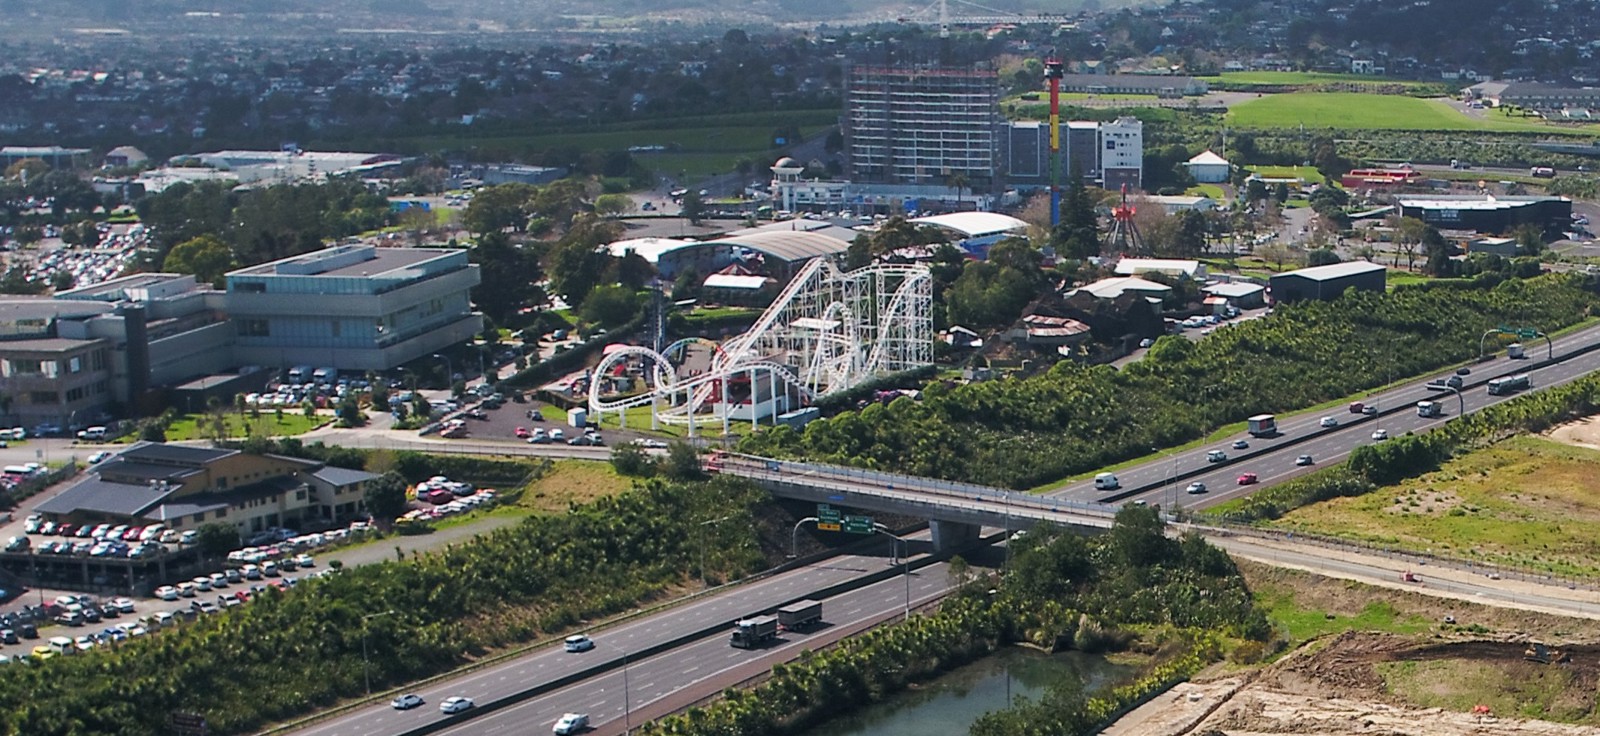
827, 331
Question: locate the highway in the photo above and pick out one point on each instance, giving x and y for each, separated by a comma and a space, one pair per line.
716, 610
668, 682
1272, 459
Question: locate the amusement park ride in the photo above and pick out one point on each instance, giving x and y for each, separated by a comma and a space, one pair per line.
827, 331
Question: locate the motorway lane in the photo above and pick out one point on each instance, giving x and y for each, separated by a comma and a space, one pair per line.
666, 682
1262, 450
552, 662
1382, 571
1333, 445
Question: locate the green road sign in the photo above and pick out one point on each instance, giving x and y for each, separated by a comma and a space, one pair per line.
827, 514
858, 524
1527, 334
825, 526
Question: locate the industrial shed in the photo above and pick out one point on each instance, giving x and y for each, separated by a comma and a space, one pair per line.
1328, 282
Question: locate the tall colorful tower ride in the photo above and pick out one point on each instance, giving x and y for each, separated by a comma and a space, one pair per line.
1052, 72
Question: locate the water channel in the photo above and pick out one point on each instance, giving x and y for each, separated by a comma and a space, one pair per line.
949, 705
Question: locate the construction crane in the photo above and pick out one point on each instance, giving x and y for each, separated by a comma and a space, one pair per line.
939, 10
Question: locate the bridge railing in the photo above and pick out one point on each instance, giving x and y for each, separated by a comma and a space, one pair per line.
792, 470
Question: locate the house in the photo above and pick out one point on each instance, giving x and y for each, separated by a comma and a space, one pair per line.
1209, 168
185, 487
1175, 204
1328, 282
1112, 288
1040, 330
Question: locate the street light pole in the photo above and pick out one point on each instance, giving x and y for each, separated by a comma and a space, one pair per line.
366, 663
449, 369
627, 704
704, 582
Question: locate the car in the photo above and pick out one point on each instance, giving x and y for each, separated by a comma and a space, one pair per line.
1369, 410
1304, 460
522, 433
189, 537
1463, 371
1147, 342
455, 704
1329, 422
1246, 479
1380, 434
98, 457
1241, 445
218, 580
167, 593
202, 582
122, 605
1196, 487
187, 589
571, 723
1494, 576
31, 526
304, 560
407, 701
578, 643
204, 606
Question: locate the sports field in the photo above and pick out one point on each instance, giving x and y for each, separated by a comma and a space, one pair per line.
1307, 78
1356, 111
1307, 174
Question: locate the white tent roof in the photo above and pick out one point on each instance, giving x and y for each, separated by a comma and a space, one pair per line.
975, 224
1209, 158
649, 249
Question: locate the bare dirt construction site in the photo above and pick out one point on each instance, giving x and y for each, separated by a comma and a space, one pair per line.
1435, 668
1583, 432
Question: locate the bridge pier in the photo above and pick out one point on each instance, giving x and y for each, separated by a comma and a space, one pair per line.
952, 535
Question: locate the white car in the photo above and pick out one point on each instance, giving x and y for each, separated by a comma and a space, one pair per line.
1380, 434
167, 593
123, 605
1196, 487
407, 701
455, 704
305, 560
571, 723
578, 643
1330, 422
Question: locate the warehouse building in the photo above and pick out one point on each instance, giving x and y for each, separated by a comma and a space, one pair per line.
1488, 214
1328, 282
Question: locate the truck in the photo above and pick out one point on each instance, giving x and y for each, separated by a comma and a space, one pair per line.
800, 614
1542, 172
750, 633
1514, 351
1263, 425
1427, 409
1510, 384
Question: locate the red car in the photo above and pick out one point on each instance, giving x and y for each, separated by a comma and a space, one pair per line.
1247, 479
523, 433
439, 497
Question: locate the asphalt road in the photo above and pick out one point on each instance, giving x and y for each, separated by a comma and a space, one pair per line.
1440, 583
665, 683
551, 663
1272, 459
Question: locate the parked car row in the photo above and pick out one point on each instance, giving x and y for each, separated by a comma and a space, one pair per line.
446, 505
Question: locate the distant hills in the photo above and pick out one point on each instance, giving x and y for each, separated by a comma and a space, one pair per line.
521, 14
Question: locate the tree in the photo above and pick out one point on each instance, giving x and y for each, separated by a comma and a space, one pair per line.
1255, 190
510, 276
1437, 251
28, 168
18, 280
1321, 257
611, 305
579, 260
496, 208
1190, 240
350, 413
1275, 253
1281, 192
693, 208
386, 496
1530, 240
613, 205
206, 256
217, 538
682, 462
631, 460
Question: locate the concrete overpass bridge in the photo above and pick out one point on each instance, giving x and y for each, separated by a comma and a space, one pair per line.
955, 511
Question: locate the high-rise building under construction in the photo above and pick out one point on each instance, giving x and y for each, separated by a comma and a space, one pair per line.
922, 125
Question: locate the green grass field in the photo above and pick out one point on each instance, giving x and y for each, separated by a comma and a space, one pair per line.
1213, 191
294, 423
1356, 111
1308, 78
1527, 502
1307, 174
700, 146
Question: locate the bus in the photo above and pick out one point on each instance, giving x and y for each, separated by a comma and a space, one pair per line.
1510, 384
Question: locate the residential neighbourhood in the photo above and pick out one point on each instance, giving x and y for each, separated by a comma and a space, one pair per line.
1163, 368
